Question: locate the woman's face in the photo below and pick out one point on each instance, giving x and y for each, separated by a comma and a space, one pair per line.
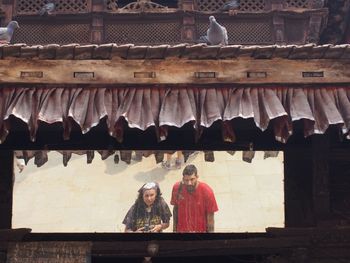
149, 196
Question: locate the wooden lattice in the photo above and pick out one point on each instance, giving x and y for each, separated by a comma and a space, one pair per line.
62, 6
42, 34
245, 6
298, 3
115, 5
143, 33
243, 32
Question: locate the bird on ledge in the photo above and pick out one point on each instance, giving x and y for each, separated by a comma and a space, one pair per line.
48, 8
6, 33
230, 6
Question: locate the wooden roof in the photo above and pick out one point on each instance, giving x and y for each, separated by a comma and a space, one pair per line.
185, 51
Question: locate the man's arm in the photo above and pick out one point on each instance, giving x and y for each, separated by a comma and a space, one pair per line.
210, 222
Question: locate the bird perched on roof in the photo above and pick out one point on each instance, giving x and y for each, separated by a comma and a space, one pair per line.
231, 6
48, 8
216, 34
6, 33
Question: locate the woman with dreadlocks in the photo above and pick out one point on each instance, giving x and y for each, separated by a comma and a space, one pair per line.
149, 213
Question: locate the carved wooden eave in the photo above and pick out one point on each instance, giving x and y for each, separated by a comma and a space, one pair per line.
143, 6
179, 64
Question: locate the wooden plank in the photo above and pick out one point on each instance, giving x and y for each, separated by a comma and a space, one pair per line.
49, 252
182, 248
175, 71
320, 161
298, 188
6, 188
13, 234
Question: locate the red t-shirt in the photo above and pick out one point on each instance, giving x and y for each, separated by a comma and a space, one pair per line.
193, 207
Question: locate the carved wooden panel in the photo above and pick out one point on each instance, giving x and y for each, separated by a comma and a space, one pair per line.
143, 33
245, 6
58, 33
28, 7
242, 32
298, 3
113, 5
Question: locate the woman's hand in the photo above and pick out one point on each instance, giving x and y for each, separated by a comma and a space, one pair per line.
140, 230
157, 228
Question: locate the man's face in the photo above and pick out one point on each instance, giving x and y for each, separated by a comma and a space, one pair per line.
190, 181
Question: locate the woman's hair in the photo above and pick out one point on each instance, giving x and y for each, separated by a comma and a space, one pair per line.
139, 205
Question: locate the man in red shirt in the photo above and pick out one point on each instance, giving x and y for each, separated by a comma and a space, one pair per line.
194, 203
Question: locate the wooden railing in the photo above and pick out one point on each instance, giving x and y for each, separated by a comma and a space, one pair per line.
96, 21
32, 7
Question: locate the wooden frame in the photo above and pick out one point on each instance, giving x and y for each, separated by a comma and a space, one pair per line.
174, 71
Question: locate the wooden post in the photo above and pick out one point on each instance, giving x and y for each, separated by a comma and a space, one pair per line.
278, 25
97, 22
7, 7
320, 164
298, 187
188, 30
97, 29
6, 188
274, 5
314, 28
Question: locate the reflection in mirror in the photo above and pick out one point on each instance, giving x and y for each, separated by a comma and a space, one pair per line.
134, 191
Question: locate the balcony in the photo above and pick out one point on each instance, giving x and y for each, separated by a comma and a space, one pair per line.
257, 22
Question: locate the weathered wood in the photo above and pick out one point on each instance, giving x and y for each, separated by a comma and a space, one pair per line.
321, 195
48, 51
120, 51
49, 252
156, 52
13, 234
84, 52
6, 189
102, 51
265, 52
97, 25
229, 51
318, 52
137, 52
173, 71
301, 52
175, 51
192, 52
209, 52
335, 52
30, 51
183, 248
283, 51
298, 188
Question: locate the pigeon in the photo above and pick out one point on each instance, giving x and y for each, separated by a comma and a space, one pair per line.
111, 5
319, 3
216, 34
7, 32
230, 5
48, 8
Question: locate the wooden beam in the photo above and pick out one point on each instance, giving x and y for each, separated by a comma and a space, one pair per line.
298, 187
175, 71
6, 189
59, 252
320, 161
182, 248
